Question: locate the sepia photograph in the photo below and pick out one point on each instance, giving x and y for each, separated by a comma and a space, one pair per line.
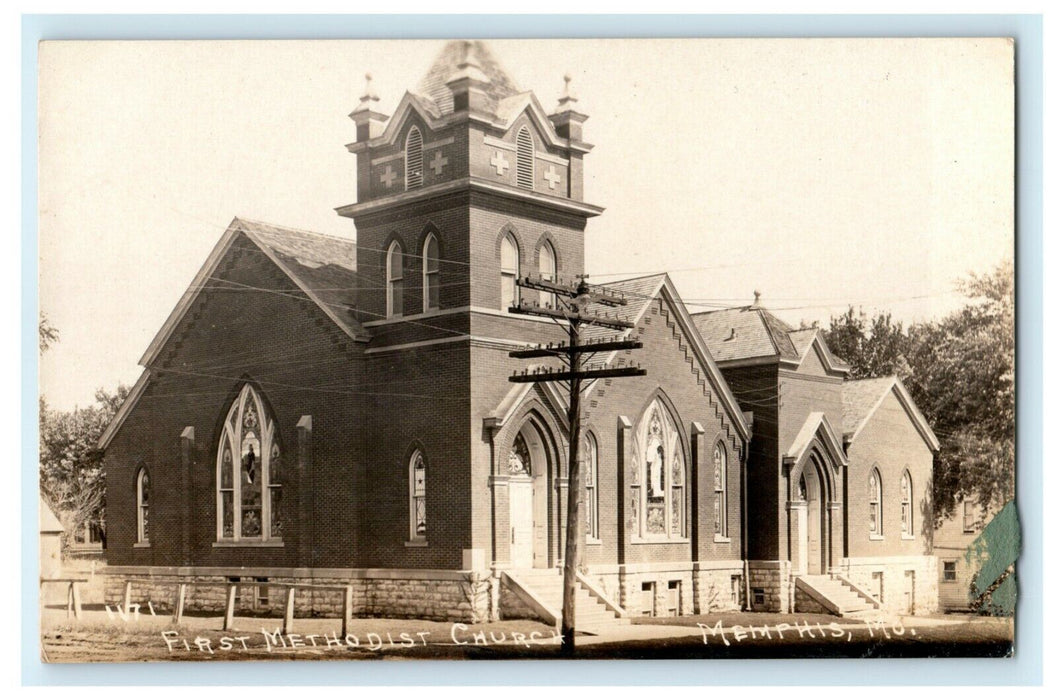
526, 349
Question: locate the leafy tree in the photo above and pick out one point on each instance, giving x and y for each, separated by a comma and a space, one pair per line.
47, 335
960, 371
72, 470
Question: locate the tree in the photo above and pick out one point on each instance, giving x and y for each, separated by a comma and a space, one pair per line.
47, 335
72, 470
960, 372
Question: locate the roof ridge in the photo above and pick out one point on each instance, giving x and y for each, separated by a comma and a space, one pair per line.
294, 229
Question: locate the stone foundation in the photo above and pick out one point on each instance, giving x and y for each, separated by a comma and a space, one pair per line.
770, 586
673, 589
886, 578
454, 596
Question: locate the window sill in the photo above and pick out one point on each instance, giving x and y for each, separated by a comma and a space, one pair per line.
907, 537
592, 540
877, 538
660, 540
248, 543
141, 545
416, 543
720, 539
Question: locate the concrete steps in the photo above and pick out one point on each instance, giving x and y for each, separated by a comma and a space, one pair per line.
835, 594
546, 587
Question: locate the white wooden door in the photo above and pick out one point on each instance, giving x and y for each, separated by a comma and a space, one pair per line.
521, 533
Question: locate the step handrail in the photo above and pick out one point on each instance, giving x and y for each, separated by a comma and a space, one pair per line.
597, 592
523, 592
869, 598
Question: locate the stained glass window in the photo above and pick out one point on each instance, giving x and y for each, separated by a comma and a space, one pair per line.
418, 495
719, 477
590, 463
519, 463
906, 492
874, 492
249, 473
143, 506
662, 490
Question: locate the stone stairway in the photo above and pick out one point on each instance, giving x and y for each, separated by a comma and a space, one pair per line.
544, 588
833, 594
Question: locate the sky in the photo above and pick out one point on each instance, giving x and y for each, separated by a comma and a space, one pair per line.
822, 172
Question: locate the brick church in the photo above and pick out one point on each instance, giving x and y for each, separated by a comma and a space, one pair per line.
335, 410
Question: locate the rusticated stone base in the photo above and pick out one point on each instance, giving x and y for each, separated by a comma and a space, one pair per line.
675, 588
888, 579
770, 586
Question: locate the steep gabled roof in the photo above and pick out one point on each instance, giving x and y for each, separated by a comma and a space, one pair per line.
433, 85
747, 332
816, 426
49, 522
862, 397
640, 292
323, 267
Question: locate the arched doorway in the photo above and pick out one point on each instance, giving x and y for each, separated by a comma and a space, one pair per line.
811, 512
528, 467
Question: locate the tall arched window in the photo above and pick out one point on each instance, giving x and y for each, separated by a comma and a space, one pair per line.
658, 493
590, 463
509, 270
413, 158
525, 158
874, 492
719, 468
548, 271
249, 473
906, 501
430, 274
417, 495
142, 506
394, 281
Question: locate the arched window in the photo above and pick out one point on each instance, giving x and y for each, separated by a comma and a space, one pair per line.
548, 271
430, 274
590, 463
509, 270
142, 506
906, 500
525, 158
719, 467
659, 493
873, 489
249, 473
413, 158
417, 495
394, 281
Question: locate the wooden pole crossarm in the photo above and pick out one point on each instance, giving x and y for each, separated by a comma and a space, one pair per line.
558, 376
573, 317
560, 350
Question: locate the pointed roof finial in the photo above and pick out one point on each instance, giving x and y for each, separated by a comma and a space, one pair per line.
756, 302
469, 66
567, 102
368, 96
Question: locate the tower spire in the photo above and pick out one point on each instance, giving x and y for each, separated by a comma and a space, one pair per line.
369, 121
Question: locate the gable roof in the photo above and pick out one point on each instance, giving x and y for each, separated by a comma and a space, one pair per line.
323, 267
640, 292
862, 397
433, 85
816, 425
753, 332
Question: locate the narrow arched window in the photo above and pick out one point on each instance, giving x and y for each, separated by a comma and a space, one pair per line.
417, 495
249, 473
906, 501
413, 158
590, 463
525, 158
509, 270
658, 496
719, 468
873, 490
394, 281
430, 274
548, 272
142, 506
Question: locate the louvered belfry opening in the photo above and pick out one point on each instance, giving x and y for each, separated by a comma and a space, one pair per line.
414, 158
525, 148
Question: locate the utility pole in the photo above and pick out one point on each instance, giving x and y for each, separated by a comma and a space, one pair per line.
571, 307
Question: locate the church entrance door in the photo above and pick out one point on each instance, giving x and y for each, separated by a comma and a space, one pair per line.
529, 469
521, 530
